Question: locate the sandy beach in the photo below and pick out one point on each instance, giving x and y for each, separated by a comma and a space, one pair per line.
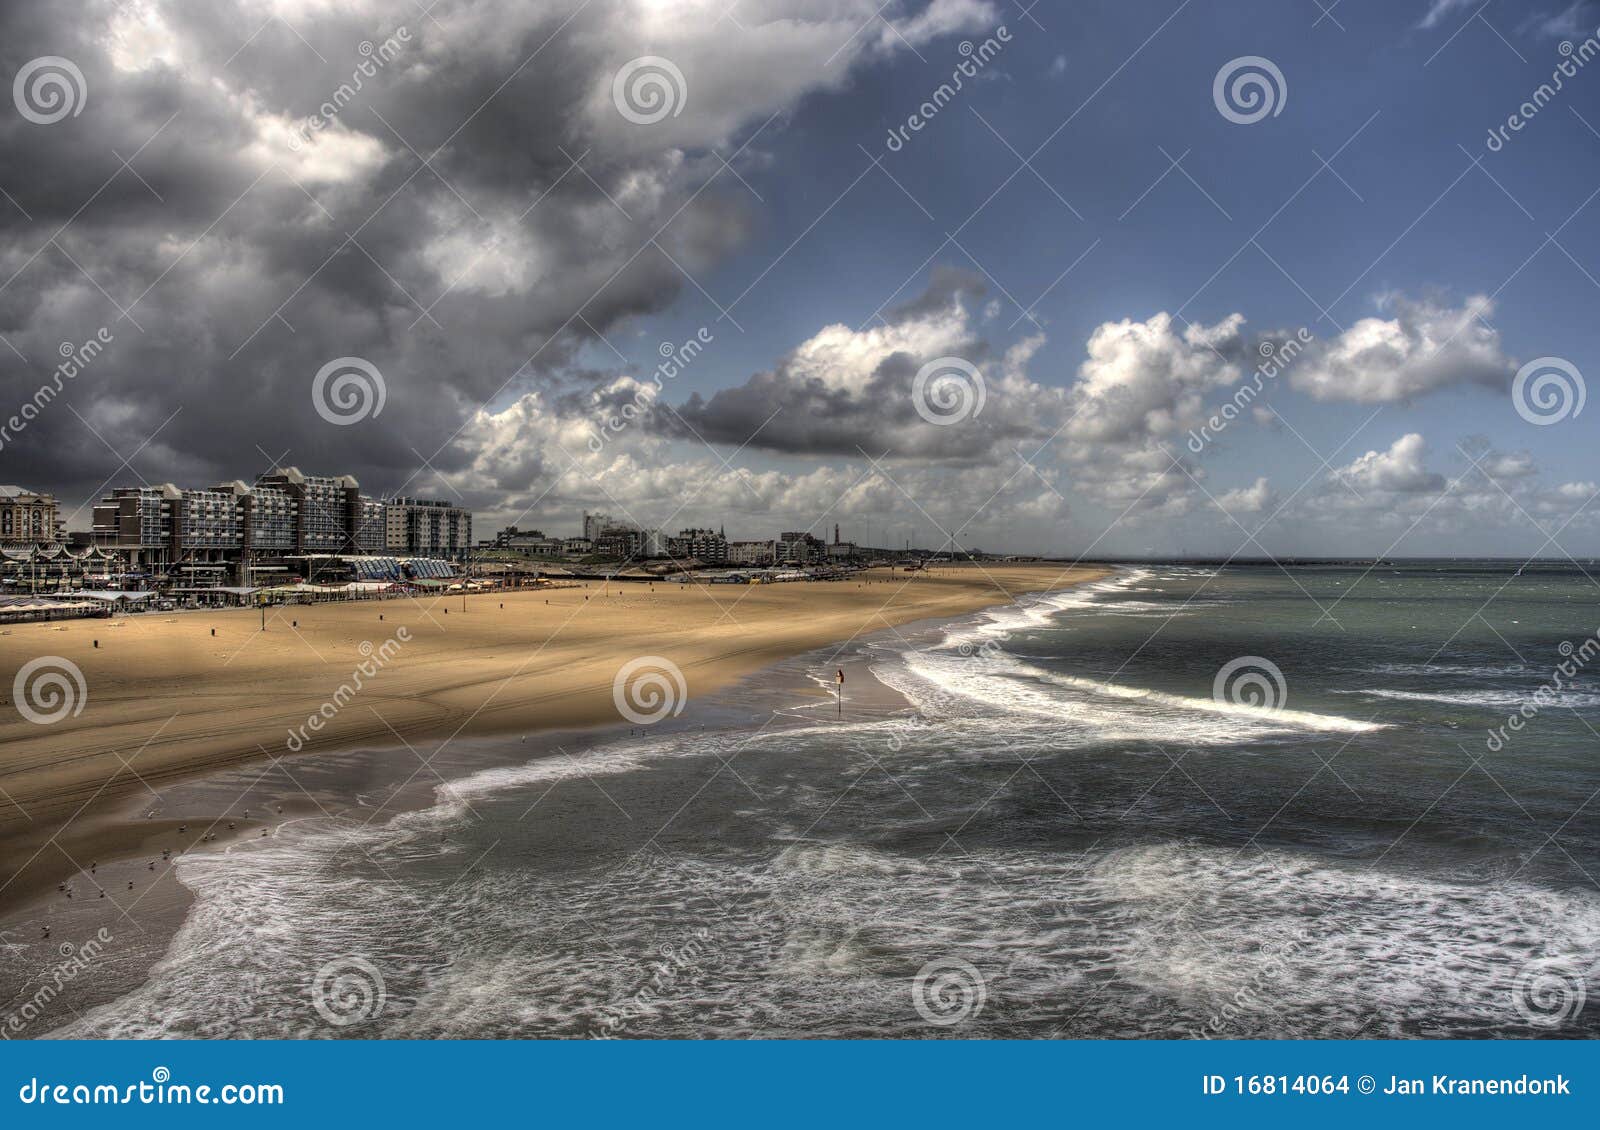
174, 696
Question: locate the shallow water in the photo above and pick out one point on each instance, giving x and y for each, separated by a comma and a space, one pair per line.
1067, 830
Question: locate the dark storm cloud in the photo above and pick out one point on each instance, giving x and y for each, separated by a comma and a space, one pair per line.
230, 267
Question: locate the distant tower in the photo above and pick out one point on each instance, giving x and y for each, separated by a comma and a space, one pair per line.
836, 533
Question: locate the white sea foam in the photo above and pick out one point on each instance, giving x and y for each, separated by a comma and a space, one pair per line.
1470, 670
1275, 718
1045, 609
943, 684
1494, 700
823, 939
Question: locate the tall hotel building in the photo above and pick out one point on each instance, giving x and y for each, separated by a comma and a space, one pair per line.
212, 534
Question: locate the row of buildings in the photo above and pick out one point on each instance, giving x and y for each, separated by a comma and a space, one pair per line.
605, 537
237, 532
225, 533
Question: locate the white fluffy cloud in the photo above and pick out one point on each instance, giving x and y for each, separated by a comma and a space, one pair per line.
1148, 380
1399, 469
1422, 347
1257, 498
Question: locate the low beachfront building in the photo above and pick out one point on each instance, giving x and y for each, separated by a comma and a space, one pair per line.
708, 546
28, 518
758, 553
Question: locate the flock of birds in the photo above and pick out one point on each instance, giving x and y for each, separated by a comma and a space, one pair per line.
66, 887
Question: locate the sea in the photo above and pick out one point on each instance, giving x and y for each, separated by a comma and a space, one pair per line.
1181, 802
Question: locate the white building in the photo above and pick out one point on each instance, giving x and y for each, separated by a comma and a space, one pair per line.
595, 524
752, 552
415, 527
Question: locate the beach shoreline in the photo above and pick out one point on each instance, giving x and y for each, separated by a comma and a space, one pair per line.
169, 702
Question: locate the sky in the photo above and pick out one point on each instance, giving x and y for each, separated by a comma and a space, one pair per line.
952, 271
